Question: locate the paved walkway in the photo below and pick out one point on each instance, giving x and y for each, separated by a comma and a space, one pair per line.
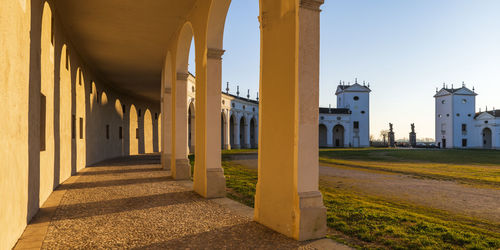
132, 203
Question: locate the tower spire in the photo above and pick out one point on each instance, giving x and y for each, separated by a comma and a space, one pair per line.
238, 90
248, 94
257, 95
356, 80
227, 88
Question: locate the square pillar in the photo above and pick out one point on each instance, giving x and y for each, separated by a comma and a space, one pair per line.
209, 180
247, 135
287, 198
166, 123
227, 138
182, 168
329, 136
236, 129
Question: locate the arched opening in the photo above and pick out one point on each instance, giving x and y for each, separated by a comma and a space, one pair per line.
243, 132
222, 130
253, 135
133, 131
65, 114
191, 128
231, 131
323, 136
148, 132
487, 138
338, 136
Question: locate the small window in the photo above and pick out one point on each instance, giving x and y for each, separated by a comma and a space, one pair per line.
244, 107
440, 116
339, 118
485, 121
464, 127
124, 108
81, 128
139, 114
464, 101
469, 115
137, 133
464, 142
443, 102
107, 132
223, 102
120, 133
356, 98
156, 116
458, 114
43, 109
322, 118
356, 125
97, 97
363, 112
73, 127
253, 109
447, 115
233, 105
192, 89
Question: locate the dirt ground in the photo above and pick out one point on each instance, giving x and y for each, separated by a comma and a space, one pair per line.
482, 203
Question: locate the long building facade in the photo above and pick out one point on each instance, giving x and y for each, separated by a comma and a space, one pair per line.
346, 126
458, 125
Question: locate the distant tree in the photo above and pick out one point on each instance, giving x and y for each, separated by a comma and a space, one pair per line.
384, 134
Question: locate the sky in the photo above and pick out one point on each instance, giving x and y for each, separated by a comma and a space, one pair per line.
404, 49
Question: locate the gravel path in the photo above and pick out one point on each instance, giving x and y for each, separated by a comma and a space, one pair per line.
132, 203
482, 203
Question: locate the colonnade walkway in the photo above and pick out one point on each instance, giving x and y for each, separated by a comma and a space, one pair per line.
133, 203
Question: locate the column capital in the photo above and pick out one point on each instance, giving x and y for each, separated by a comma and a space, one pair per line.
215, 53
182, 76
311, 4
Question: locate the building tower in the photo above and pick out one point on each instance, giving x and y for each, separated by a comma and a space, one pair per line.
356, 98
455, 110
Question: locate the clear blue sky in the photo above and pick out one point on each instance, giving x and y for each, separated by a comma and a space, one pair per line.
405, 49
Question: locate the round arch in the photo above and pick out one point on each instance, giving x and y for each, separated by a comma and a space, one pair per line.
133, 131
323, 142
253, 132
148, 132
338, 136
487, 138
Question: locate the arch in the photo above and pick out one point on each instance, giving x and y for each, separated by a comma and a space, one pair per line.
323, 142
232, 123
64, 114
191, 127
487, 138
216, 23
338, 136
243, 131
133, 131
148, 132
183, 46
253, 133
47, 145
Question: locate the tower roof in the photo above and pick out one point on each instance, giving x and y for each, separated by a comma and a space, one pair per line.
352, 88
455, 91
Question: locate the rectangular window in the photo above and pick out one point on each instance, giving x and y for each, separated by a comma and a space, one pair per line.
73, 127
43, 103
123, 108
464, 142
81, 128
107, 131
156, 116
464, 127
120, 133
356, 125
136, 133
139, 114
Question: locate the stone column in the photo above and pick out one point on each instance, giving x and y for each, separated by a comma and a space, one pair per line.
287, 198
247, 134
209, 180
166, 128
236, 130
182, 169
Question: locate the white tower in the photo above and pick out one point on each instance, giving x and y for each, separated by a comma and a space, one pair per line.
356, 98
455, 110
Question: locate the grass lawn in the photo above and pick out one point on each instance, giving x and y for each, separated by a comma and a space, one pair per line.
371, 222
466, 166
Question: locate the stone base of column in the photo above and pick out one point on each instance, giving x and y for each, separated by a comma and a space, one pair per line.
226, 146
216, 183
182, 169
236, 147
165, 161
247, 146
312, 216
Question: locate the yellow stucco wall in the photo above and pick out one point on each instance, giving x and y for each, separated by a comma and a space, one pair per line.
37, 58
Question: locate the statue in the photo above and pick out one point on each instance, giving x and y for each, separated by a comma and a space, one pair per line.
392, 141
413, 136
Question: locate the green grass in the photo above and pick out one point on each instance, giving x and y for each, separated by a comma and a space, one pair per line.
466, 166
371, 222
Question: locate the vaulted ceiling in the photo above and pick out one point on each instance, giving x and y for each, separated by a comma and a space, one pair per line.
124, 41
